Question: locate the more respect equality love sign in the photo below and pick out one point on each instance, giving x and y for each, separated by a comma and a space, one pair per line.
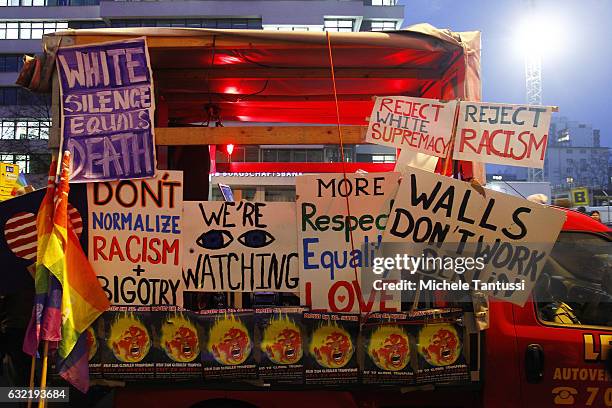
135, 239
441, 217
499, 133
240, 247
107, 106
335, 243
420, 124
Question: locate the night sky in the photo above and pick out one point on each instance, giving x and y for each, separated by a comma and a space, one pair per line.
576, 72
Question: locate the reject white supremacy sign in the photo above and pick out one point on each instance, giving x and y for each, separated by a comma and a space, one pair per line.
240, 247
513, 235
335, 243
424, 125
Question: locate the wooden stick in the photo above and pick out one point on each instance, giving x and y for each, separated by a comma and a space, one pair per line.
43, 375
32, 371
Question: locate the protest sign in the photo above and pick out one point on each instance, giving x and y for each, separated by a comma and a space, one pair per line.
331, 342
511, 236
441, 356
386, 349
9, 173
498, 133
335, 244
107, 106
409, 158
279, 344
227, 344
424, 125
135, 239
240, 246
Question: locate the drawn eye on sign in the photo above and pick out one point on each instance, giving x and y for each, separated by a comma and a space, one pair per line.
256, 238
215, 239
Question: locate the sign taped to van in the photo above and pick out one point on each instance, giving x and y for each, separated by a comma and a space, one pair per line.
107, 107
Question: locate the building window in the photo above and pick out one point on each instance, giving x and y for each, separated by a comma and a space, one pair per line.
12, 95
384, 2
384, 25
10, 62
24, 129
339, 24
274, 27
22, 160
40, 3
29, 30
86, 24
233, 23
28, 163
568, 151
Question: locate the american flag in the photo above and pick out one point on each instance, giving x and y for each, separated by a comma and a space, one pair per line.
20, 232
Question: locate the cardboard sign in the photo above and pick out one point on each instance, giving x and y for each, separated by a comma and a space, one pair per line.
424, 125
329, 261
514, 236
107, 106
503, 134
8, 178
135, 239
240, 247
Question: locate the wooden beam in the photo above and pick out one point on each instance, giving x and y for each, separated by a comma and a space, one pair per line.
256, 135
174, 76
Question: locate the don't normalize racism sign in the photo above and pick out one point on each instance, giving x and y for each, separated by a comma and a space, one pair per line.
135, 239
107, 110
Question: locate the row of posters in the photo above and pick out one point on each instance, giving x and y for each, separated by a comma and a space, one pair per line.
497, 133
279, 346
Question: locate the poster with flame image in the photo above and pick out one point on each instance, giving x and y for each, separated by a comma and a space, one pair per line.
441, 345
179, 338
129, 338
386, 349
279, 344
229, 344
331, 348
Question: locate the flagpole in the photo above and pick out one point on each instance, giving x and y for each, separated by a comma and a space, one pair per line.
32, 371
43, 376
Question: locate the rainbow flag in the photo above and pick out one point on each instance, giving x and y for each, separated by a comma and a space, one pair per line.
45, 323
20, 185
82, 297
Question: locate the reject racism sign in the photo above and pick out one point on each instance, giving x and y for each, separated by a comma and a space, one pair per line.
513, 235
334, 243
424, 125
504, 134
107, 110
240, 247
135, 239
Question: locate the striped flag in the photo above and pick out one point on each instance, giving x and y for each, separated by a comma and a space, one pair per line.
82, 297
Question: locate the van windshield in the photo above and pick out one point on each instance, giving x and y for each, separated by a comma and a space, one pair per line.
575, 286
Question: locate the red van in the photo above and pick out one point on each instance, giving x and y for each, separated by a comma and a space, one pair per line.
554, 351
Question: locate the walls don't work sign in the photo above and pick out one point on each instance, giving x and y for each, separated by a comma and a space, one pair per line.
107, 110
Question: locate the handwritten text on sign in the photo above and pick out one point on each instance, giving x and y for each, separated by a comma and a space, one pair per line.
242, 247
513, 235
107, 110
135, 239
503, 134
325, 230
424, 125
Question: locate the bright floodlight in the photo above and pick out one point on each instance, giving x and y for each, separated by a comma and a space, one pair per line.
539, 35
